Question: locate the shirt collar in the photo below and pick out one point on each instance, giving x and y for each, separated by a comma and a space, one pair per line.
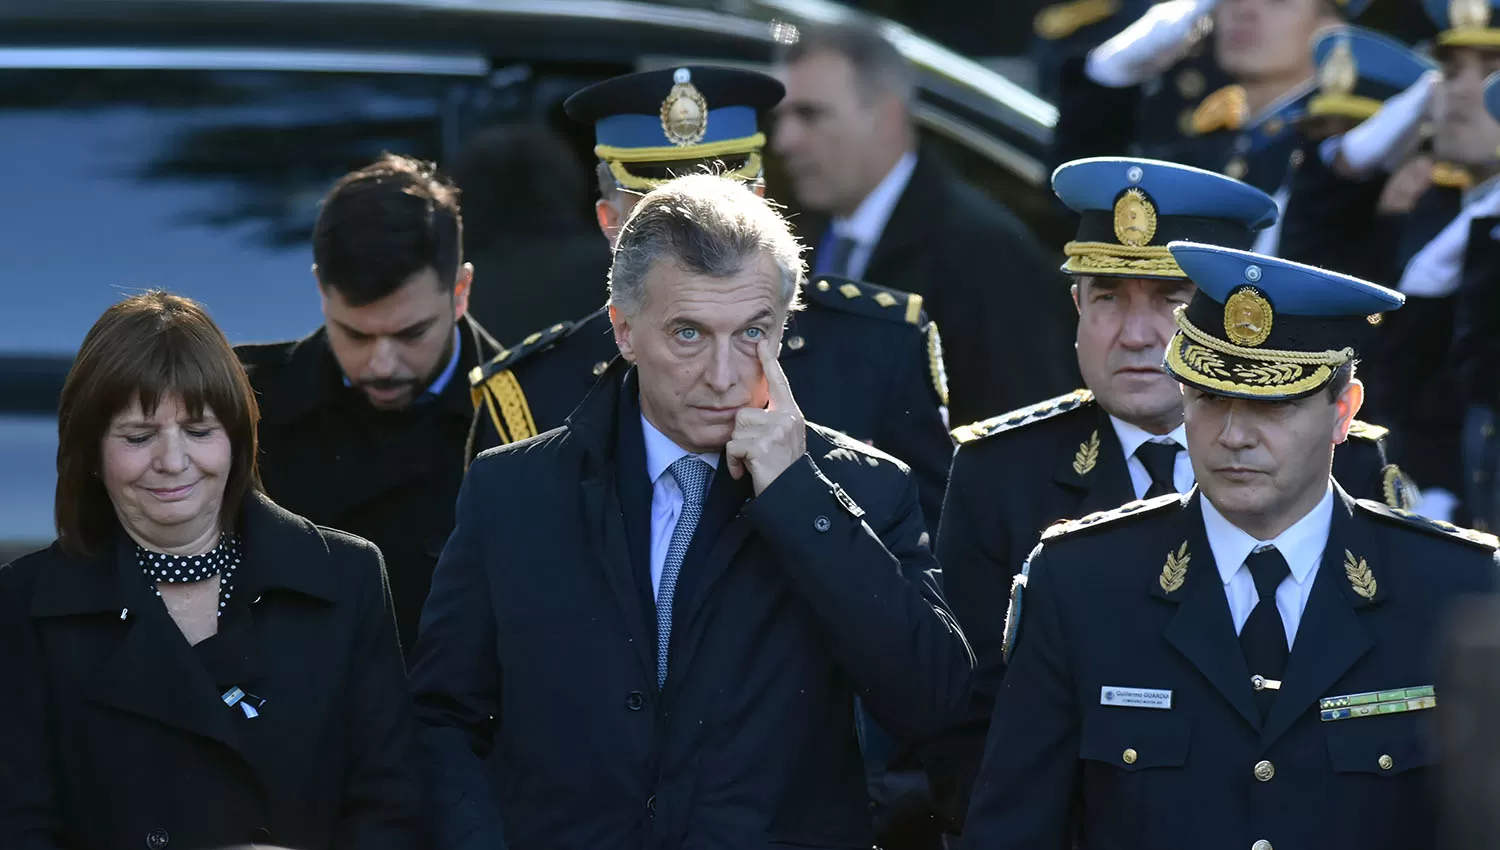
870, 218
1131, 436
661, 452
1301, 545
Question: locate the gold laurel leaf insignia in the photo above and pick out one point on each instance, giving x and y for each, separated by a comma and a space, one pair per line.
1204, 360
1087, 456
1360, 576
1174, 572
1268, 373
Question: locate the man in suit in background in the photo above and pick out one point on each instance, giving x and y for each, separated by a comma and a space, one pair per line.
902, 219
658, 616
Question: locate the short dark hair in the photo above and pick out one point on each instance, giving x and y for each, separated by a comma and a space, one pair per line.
382, 224
879, 66
1343, 376
145, 348
519, 180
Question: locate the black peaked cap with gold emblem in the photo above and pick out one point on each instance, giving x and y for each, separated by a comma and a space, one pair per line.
1265, 328
687, 114
1131, 208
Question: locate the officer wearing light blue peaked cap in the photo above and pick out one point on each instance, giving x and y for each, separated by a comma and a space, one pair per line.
1360, 69
1465, 23
1130, 209
1265, 328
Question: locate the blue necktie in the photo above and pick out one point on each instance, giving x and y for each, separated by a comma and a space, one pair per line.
692, 477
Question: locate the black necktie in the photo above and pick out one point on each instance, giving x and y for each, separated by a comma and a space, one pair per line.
1263, 639
839, 253
1160, 460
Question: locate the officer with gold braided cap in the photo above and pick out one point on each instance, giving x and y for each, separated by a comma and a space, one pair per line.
1251, 664
1119, 439
863, 359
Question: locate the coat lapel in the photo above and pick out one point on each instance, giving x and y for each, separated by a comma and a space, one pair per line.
911, 222
1330, 637
599, 422
1095, 466
1202, 630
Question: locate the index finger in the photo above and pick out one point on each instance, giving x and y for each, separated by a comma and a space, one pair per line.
781, 390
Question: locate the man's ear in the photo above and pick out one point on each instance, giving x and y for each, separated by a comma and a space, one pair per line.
1076, 306
1347, 404
461, 289
610, 220
622, 330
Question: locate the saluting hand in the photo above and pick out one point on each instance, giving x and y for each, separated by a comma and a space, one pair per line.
766, 442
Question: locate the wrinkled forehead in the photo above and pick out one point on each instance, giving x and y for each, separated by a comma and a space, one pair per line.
739, 291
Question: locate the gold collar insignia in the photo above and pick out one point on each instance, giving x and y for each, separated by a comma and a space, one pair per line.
1087, 456
1174, 572
1360, 577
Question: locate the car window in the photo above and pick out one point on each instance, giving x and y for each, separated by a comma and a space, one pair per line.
205, 183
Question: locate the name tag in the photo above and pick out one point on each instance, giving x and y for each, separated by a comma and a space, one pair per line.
1135, 697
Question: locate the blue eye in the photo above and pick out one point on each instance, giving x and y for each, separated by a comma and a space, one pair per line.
687, 334
754, 333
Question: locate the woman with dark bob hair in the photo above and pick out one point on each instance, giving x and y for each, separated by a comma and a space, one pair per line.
189, 666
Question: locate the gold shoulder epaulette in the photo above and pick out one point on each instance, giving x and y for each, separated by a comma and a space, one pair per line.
1361, 430
1061, 20
1138, 508
866, 299
1225, 109
1451, 176
1025, 416
494, 386
1431, 526
508, 358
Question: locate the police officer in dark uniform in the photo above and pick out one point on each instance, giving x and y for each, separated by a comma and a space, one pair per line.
1092, 119
1335, 220
1121, 439
1251, 665
864, 359
364, 422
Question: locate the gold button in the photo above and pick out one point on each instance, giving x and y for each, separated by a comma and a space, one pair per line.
822, 286
795, 343
600, 367
1386, 762
1236, 168
1261, 845
1264, 770
1129, 756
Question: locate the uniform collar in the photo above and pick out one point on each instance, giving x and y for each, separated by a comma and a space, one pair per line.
661, 452
874, 212
1301, 545
1132, 436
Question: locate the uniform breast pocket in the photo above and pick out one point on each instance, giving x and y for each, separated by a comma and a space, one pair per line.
1380, 781
1133, 759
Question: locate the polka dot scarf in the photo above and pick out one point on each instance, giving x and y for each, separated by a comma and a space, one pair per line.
220, 561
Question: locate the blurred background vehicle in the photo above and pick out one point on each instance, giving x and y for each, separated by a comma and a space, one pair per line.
184, 144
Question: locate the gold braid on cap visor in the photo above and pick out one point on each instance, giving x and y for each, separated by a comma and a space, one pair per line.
749, 147
1278, 373
1107, 258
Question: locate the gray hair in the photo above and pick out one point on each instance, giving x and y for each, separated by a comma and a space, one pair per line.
879, 67
706, 225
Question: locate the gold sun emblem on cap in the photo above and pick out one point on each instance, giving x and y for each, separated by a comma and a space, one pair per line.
684, 114
1469, 14
1135, 218
1247, 317
1339, 72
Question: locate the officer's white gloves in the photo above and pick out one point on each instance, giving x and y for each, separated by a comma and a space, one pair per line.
1390, 136
1151, 45
1437, 270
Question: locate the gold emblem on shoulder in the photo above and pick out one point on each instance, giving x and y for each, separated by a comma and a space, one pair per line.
1087, 456
1135, 218
1339, 72
684, 114
1247, 317
1360, 577
1174, 572
1468, 14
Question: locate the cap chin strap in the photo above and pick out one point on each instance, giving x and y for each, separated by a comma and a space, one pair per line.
1107, 258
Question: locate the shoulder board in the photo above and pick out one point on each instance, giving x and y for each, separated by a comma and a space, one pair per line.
1138, 508
866, 299
264, 353
1435, 527
1061, 20
1025, 416
532, 344
1361, 430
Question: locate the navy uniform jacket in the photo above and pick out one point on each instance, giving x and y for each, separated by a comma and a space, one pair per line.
1476, 339
538, 646
1412, 375
1017, 474
861, 359
1259, 153
1331, 221
1105, 607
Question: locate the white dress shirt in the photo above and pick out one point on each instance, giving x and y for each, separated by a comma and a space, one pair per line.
1131, 439
1301, 545
872, 215
666, 496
